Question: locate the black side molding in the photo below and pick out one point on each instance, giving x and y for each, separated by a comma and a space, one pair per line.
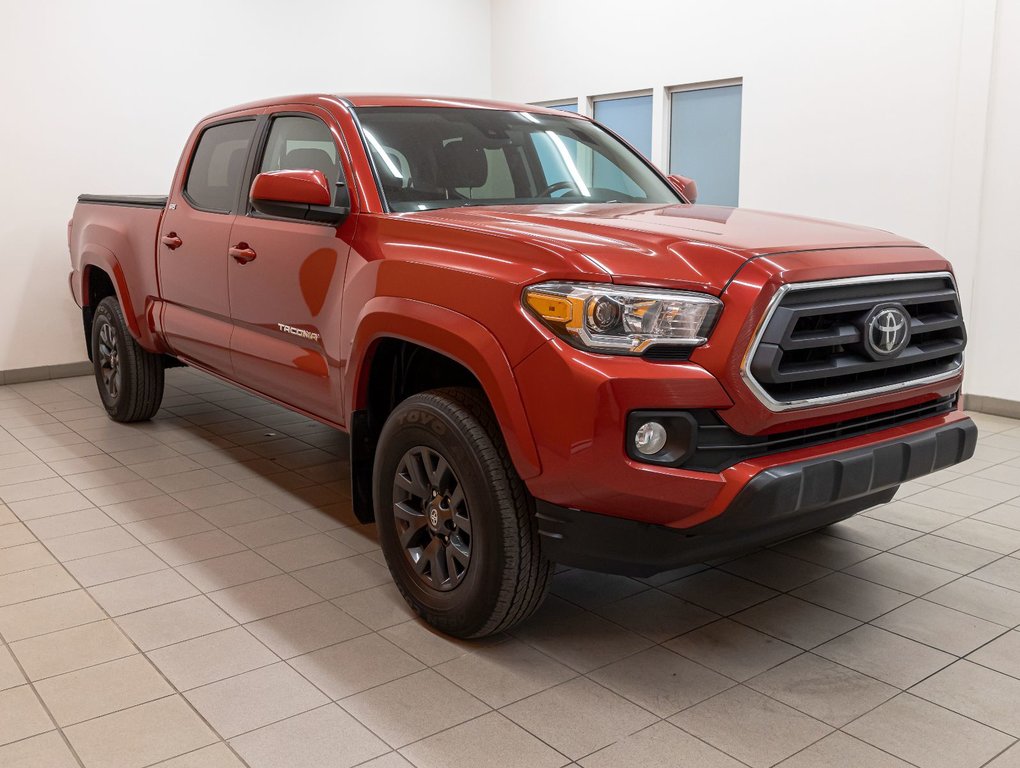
129, 201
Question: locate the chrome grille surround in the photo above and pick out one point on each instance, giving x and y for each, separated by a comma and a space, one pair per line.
899, 292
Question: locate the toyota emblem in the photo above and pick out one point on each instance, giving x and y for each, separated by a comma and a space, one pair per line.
887, 331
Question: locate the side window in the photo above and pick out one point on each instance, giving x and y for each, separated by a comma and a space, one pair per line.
218, 164
299, 143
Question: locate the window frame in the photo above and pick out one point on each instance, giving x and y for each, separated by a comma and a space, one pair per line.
235, 206
256, 157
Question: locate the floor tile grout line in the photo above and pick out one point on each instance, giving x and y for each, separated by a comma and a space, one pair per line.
338, 702
154, 666
997, 756
42, 703
938, 706
913, 597
492, 711
1006, 629
870, 622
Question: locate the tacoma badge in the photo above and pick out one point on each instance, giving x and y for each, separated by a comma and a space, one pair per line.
298, 332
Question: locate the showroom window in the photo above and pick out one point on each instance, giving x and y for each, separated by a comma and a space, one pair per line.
630, 117
564, 106
217, 165
704, 140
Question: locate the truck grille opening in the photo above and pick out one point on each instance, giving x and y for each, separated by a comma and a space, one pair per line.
815, 344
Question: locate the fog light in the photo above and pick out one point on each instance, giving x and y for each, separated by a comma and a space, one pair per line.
650, 438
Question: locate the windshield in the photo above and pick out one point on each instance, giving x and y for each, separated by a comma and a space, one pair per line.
443, 157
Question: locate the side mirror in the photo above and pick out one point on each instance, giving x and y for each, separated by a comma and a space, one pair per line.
686, 187
296, 194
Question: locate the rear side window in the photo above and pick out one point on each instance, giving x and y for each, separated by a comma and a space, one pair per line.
302, 143
218, 164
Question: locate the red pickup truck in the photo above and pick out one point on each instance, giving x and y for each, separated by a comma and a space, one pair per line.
542, 349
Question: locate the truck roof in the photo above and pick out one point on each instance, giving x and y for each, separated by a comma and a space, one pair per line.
390, 100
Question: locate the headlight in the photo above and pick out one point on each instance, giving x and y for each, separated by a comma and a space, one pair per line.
603, 317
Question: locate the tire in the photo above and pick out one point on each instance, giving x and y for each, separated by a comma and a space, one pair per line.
130, 379
493, 575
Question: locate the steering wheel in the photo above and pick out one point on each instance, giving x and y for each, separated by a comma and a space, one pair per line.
553, 188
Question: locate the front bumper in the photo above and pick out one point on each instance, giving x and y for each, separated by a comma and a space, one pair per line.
777, 503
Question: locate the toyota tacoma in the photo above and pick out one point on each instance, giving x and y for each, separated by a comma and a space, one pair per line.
543, 350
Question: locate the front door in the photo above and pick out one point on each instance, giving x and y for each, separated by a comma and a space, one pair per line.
286, 278
193, 242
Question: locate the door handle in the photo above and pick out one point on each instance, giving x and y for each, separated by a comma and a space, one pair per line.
242, 253
171, 241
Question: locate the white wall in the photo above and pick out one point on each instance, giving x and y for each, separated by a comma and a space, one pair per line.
899, 115
99, 97
994, 362
866, 111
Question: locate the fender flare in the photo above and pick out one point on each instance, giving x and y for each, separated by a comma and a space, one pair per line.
461, 339
102, 258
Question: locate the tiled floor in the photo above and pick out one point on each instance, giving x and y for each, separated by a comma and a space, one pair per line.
195, 592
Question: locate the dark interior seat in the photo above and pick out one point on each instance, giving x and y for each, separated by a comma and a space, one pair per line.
462, 164
313, 159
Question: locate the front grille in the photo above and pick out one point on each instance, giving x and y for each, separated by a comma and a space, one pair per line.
813, 346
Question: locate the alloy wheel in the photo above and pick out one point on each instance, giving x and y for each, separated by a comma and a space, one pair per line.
109, 359
432, 518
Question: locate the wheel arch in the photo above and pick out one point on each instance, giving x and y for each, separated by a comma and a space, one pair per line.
102, 276
446, 348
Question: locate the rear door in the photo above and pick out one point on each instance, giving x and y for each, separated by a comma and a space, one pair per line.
285, 293
193, 242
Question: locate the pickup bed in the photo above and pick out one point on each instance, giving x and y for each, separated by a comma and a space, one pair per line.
543, 350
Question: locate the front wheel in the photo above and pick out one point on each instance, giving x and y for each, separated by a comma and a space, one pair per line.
456, 523
130, 378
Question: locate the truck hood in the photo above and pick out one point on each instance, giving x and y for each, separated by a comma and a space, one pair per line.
696, 246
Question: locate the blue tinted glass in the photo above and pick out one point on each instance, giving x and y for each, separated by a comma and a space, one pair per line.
568, 106
630, 118
704, 141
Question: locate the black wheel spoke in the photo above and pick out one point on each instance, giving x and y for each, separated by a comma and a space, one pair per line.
437, 563
431, 515
415, 521
451, 562
438, 469
419, 561
405, 482
415, 474
457, 497
428, 557
109, 363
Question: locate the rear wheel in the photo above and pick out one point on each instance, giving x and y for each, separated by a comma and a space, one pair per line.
456, 523
130, 379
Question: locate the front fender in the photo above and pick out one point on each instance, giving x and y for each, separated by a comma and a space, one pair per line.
459, 338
